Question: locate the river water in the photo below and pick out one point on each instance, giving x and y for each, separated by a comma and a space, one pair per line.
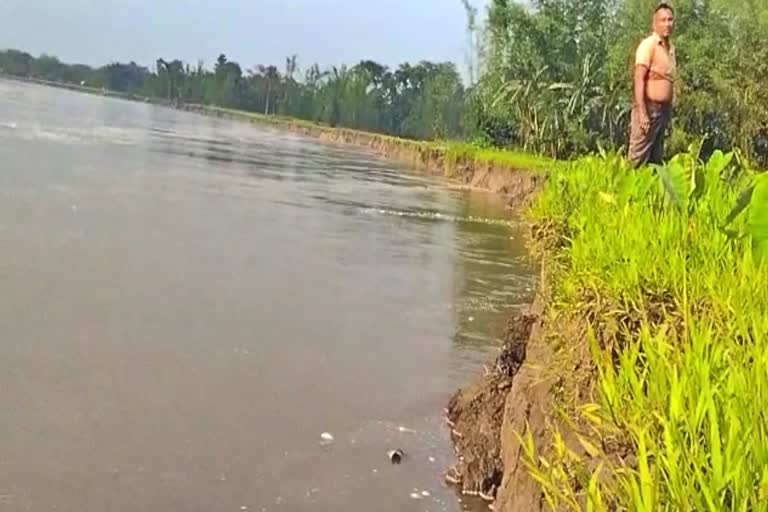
189, 303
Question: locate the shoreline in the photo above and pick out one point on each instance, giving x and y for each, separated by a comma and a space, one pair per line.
516, 176
484, 414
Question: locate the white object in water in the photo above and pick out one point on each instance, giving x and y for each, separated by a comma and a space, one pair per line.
471, 319
425, 494
415, 496
327, 437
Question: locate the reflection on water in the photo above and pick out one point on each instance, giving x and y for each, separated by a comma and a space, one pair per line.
189, 303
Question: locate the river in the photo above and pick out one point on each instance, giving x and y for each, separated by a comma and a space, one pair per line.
189, 303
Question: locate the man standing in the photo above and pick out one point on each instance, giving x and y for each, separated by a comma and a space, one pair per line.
655, 70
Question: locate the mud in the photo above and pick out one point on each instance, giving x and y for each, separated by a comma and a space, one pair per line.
476, 414
487, 416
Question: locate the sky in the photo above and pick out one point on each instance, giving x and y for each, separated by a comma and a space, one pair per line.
329, 32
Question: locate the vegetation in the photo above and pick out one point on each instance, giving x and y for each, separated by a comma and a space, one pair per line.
551, 77
556, 77
422, 101
662, 273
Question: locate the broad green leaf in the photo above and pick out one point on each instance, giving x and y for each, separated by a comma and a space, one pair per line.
698, 182
717, 163
758, 218
741, 204
675, 183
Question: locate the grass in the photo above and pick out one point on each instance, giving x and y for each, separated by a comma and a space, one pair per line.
501, 157
452, 151
665, 391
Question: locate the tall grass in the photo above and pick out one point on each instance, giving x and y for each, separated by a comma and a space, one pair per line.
662, 270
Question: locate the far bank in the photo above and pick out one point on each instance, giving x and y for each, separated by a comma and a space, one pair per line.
515, 175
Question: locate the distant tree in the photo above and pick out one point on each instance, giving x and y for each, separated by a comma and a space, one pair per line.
124, 77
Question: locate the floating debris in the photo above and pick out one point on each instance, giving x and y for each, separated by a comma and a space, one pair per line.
243, 507
326, 437
415, 496
425, 494
396, 456
431, 459
471, 319
406, 430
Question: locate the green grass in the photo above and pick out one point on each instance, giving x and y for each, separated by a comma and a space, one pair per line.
453, 151
666, 387
500, 157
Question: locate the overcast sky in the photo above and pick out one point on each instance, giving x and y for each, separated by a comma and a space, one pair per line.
249, 31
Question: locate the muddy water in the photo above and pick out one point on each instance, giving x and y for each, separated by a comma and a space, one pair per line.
188, 303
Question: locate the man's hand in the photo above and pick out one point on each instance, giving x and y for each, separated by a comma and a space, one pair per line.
645, 121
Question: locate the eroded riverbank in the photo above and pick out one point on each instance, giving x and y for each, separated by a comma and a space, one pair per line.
513, 175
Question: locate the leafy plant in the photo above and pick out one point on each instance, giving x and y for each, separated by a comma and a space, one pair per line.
667, 384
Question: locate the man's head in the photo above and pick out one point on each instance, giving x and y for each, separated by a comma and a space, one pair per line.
664, 20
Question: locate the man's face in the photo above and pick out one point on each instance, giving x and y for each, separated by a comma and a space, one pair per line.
664, 22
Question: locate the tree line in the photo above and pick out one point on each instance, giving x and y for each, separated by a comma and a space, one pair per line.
547, 76
421, 101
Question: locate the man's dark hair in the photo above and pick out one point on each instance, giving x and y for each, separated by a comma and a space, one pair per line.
663, 5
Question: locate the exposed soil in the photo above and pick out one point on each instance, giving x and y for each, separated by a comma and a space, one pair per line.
517, 185
487, 415
476, 415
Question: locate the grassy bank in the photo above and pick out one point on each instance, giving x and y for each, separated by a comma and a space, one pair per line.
658, 321
453, 153
515, 175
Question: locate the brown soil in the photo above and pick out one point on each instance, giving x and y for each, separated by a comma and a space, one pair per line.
476, 415
486, 416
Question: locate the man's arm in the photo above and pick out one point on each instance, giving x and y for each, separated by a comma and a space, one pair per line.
641, 77
643, 59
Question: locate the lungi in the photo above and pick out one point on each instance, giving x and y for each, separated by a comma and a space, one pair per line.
648, 147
